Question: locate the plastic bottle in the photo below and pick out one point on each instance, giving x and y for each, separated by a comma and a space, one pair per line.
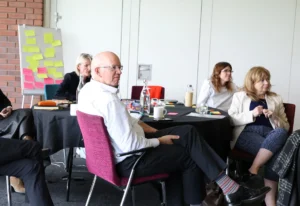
145, 99
80, 85
188, 100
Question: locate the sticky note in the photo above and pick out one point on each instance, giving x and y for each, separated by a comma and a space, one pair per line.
29, 33
37, 57
48, 63
30, 41
58, 75
33, 68
42, 70
27, 71
51, 71
28, 85
58, 64
39, 85
170, 105
48, 38
48, 81
33, 49
42, 76
56, 43
49, 52
25, 48
29, 78
29, 59
58, 81
33, 63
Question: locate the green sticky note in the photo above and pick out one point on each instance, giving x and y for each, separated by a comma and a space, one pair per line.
37, 57
48, 63
51, 71
58, 64
29, 33
49, 52
56, 43
58, 75
30, 41
33, 49
48, 38
42, 76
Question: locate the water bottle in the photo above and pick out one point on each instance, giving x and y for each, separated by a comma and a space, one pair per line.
188, 100
80, 85
145, 100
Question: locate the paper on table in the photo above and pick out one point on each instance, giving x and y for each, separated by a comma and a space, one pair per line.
194, 114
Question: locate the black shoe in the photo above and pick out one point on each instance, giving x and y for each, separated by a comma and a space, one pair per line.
246, 195
252, 181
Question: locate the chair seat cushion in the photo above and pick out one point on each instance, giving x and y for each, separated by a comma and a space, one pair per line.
140, 180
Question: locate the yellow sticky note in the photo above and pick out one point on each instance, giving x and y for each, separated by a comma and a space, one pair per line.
58, 75
37, 57
42, 76
48, 63
56, 43
29, 33
51, 71
33, 68
33, 49
29, 58
25, 48
58, 64
33, 62
48, 38
49, 52
30, 41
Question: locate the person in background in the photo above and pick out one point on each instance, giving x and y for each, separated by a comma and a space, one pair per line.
15, 124
68, 87
176, 150
217, 91
260, 126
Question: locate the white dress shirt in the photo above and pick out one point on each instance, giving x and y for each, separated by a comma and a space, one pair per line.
221, 100
125, 133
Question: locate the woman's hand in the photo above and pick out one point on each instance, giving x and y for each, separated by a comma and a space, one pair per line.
267, 113
6, 111
257, 111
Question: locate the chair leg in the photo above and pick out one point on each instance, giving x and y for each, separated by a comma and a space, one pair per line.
164, 193
91, 191
133, 195
8, 190
70, 166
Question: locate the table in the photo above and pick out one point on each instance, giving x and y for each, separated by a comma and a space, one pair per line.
57, 130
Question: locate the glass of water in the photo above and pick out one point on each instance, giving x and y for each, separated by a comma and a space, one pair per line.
203, 109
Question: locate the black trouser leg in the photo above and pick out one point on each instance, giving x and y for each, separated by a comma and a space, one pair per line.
26, 126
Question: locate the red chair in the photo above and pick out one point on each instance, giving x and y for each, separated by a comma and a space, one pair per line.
155, 92
239, 155
100, 158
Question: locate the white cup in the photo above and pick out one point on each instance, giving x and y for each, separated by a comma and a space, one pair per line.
159, 112
73, 109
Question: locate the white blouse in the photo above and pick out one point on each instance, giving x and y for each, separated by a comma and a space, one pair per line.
221, 100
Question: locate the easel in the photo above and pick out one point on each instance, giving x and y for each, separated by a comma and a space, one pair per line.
31, 93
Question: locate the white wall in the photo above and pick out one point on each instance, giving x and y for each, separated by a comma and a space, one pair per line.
184, 39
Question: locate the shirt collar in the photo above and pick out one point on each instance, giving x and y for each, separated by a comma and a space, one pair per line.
105, 87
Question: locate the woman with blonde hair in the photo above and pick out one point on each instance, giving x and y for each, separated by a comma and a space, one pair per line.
260, 126
68, 87
217, 91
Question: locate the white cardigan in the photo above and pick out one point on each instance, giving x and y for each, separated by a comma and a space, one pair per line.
241, 115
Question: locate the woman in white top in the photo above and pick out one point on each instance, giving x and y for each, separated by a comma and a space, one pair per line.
217, 91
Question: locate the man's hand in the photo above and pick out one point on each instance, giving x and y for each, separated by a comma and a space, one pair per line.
167, 139
267, 113
257, 111
6, 112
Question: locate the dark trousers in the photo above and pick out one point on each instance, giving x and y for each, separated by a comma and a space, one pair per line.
190, 156
23, 159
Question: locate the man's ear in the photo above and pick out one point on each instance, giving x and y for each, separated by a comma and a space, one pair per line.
98, 71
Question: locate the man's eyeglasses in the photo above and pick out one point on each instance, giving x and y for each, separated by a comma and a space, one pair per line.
113, 68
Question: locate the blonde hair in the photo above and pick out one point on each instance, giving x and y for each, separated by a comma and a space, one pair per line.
79, 59
215, 77
254, 75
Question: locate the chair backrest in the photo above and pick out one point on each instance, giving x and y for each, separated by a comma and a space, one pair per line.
50, 90
290, 110
155, 92
99, 153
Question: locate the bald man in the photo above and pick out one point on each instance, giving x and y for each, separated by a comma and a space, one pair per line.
180, 151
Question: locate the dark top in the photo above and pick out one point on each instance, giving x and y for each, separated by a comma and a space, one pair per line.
4, 101
260, 120
68, 87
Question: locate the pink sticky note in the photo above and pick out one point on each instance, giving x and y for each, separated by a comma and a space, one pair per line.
58, 81
39, 85
48, 81
27, 71
29, 78
172, 113
42, 70
28, 85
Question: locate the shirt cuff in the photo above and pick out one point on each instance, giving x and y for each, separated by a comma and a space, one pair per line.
154, 142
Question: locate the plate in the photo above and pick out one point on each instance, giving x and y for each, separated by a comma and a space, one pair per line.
171, 101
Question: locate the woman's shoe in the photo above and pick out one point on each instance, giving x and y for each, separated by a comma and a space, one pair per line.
27, 137
17, 185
